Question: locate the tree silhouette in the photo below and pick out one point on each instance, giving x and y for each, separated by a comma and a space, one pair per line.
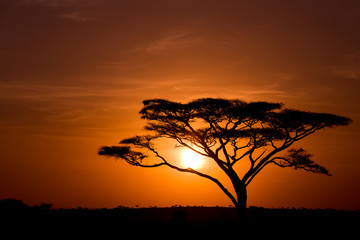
226, 132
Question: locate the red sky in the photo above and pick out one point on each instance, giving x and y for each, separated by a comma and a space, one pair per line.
73, 75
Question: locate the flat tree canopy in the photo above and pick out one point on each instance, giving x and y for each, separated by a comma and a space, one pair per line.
227, 131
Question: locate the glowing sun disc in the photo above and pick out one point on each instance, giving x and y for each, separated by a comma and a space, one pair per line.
191, 159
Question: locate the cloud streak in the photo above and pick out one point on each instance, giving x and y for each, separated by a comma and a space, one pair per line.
78, 16
179, 39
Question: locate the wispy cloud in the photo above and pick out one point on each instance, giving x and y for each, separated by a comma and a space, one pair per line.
59, 110
348, 72
56, 3
178, 39
85, 10
77, 16
45, 92
106, 94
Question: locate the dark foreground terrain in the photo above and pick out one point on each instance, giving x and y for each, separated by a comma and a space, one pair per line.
19, 219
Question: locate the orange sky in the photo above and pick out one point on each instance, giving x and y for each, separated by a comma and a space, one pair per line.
73, 75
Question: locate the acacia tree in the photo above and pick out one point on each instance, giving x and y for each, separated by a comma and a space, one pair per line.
226, 132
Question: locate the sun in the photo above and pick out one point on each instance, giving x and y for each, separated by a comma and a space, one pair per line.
191, 159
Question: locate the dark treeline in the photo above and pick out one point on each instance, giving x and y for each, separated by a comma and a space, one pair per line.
15, 207
16, 214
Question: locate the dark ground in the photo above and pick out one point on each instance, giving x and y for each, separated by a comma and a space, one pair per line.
20, 219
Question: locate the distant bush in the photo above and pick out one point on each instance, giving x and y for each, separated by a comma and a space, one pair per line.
179, 215
11, 204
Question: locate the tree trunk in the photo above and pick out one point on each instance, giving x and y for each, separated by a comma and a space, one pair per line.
241, 194
242, 201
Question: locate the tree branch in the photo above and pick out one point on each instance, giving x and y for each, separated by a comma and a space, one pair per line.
190, 170
299, 158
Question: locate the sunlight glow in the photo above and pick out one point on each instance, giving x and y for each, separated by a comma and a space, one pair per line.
191, 159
